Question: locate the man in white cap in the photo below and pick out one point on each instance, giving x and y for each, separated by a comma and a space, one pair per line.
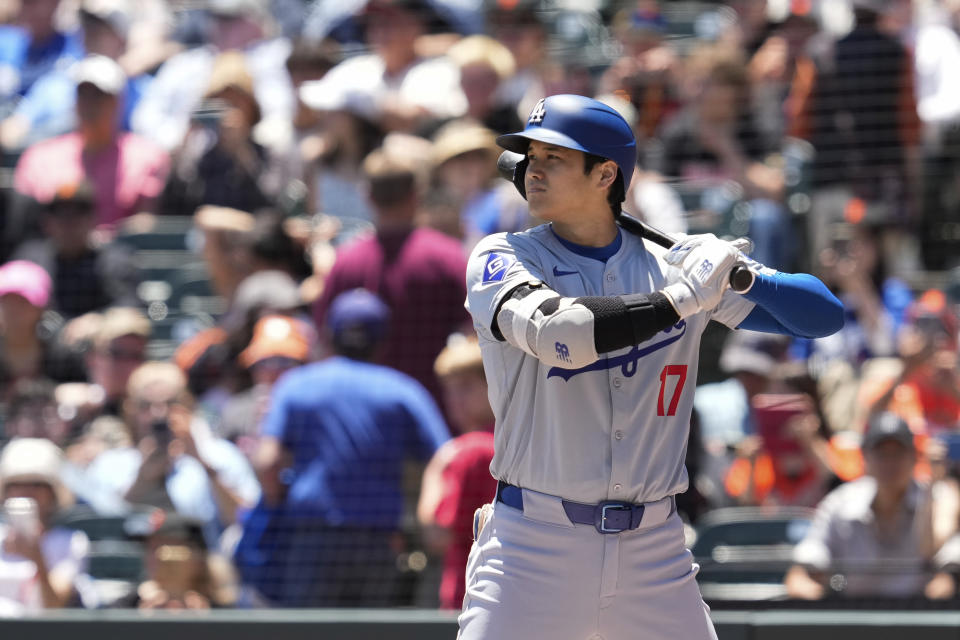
39, 564
127, 171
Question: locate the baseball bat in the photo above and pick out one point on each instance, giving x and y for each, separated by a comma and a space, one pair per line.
741, 278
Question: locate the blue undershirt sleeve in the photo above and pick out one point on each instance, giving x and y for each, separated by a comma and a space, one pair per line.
794, 304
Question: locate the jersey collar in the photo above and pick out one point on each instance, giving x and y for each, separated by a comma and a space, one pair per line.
601, 254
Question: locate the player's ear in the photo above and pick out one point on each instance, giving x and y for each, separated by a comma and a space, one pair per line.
608, 173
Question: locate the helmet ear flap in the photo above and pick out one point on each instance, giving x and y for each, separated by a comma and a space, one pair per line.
513, 167
519, 172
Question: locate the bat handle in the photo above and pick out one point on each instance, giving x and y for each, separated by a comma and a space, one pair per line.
741, 279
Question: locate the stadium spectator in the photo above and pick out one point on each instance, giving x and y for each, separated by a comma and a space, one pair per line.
28, 52
649, 196
127, 171
332, 153
926, 392
225, 247
872, 536
168, 105
219, 163
788, 460
520, 27
28, 345
87, 276
484, 65
32, 413
465, 202
238, 245
48, 109
781, 67
279, 343
327, 146
100, 434
749, 359
643, 73
936, 55
860, 114
176, 463
107, 28
457, 480
181, 573
274, 248
856, 359
41, 564
419, 273
211, 358
714, 140
118, 348
331, 463
464, 161
875, 301
392, 85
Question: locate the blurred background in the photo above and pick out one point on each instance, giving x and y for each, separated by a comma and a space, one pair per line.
235, 366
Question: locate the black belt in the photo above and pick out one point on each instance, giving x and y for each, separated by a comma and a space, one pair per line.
609, 516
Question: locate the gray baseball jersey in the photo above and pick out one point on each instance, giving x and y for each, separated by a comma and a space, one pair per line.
613, 430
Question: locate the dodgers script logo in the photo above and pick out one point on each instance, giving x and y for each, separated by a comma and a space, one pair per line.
627, 362
496, 267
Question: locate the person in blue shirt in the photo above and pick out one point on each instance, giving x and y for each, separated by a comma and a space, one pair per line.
335, 443
29, 52
47, 109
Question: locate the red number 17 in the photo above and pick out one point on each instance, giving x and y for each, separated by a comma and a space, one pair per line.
679, 370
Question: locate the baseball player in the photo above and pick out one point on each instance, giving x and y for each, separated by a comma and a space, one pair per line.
590, 338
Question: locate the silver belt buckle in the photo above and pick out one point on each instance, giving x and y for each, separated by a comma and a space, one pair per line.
601, 519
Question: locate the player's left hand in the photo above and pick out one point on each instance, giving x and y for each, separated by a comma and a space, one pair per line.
678, 252
707, 267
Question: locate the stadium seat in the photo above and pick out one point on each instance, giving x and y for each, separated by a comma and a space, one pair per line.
744, 553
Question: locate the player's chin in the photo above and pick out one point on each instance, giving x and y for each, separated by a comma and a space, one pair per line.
539, 201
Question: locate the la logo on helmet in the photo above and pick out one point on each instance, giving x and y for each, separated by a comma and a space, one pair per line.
536, 116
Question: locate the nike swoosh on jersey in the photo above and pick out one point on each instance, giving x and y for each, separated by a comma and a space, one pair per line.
559, 273
627, 362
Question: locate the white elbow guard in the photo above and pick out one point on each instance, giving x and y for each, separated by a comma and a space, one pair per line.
563, 338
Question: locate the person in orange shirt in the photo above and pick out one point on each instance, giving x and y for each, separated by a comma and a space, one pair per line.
792, 460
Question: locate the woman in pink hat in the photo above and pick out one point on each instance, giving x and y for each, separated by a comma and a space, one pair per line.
28, 349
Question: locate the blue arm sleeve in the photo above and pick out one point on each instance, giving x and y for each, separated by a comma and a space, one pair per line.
794, 304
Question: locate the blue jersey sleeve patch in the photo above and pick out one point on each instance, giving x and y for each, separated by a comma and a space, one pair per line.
496, 267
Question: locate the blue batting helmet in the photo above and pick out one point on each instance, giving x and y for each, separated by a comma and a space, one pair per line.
584, 124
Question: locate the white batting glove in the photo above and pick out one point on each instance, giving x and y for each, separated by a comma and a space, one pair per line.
704, 276
679, 251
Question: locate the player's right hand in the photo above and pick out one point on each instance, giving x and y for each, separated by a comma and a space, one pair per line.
705, 273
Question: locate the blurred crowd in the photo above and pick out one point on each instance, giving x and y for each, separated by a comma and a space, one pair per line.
235, 364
